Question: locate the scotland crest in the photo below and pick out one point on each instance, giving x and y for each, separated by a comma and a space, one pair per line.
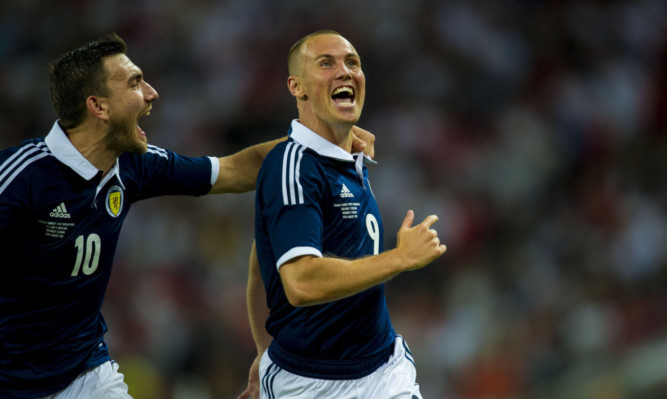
114, 201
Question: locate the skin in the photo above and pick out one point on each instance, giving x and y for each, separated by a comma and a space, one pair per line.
112, 128
328, 62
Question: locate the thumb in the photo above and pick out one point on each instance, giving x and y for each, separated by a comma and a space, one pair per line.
406, 225
409, 219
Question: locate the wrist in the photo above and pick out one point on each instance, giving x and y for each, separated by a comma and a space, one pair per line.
396, 261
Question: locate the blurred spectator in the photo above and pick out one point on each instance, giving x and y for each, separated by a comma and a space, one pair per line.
537, 129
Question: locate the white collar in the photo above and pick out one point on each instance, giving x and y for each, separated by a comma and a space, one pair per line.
63, 149
320, 145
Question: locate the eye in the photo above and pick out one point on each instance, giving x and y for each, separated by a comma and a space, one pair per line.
136, 81
326, 64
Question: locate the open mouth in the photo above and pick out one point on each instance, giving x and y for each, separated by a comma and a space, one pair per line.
139, 129
343, 96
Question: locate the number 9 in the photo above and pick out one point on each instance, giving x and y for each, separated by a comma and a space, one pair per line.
374, 232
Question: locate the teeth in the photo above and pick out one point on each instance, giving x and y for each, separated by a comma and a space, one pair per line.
343, 89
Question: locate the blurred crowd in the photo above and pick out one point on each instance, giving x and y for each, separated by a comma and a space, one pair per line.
536, 130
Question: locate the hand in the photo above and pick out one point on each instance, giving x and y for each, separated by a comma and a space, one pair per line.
252, 391
363, 140
420, 244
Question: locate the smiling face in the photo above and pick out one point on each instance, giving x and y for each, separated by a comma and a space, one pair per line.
328, 81
130, 98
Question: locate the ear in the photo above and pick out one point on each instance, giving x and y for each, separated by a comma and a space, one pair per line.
295, 88
98, 107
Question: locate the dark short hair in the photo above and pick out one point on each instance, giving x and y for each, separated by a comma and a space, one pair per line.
80, 73
292, 63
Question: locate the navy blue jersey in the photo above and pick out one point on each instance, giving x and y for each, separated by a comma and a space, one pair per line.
313, 198
59, 226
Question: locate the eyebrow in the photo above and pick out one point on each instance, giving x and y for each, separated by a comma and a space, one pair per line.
348, 55
136, 76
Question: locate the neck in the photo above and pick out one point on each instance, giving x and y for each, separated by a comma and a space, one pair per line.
90, 142
339, 134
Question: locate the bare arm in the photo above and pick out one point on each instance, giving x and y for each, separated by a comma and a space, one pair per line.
309, 280
257, 313
238, 172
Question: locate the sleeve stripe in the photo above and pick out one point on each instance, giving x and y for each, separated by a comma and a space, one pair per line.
19, 169
298, 174
158, 151
19, 161
291, 186
291, 174
10, 161
284, 175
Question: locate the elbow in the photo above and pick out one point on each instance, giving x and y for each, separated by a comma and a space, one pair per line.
297, 302
300, 288
298, 297
235, 187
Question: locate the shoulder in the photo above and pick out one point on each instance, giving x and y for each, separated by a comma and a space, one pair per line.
27, 148
159, 152
291, 152
291, 171
17, 162
152, 153
151, 159
289, 158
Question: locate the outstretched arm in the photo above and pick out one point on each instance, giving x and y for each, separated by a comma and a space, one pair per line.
309, 280
238, 172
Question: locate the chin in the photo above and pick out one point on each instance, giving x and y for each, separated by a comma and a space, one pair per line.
137, 147
142, 147
353, 119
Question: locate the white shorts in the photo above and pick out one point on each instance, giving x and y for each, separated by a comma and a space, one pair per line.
101, 382
395, 379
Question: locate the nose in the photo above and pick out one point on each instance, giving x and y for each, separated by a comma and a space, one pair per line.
150, 94
343, 72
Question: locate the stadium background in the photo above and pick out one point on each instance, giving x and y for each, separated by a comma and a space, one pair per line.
535, 129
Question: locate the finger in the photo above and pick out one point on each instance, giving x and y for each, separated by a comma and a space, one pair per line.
357, 143
367, 138
363, 134
428, 222
409, 219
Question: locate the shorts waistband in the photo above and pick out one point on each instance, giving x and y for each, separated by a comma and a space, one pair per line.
329, 369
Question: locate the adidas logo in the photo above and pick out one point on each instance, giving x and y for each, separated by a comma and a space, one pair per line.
345, 192
60, 212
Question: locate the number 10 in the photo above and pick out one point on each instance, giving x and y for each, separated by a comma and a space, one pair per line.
91, 250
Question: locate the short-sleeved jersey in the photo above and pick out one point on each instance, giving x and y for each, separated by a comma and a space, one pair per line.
313, 198
59, 226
